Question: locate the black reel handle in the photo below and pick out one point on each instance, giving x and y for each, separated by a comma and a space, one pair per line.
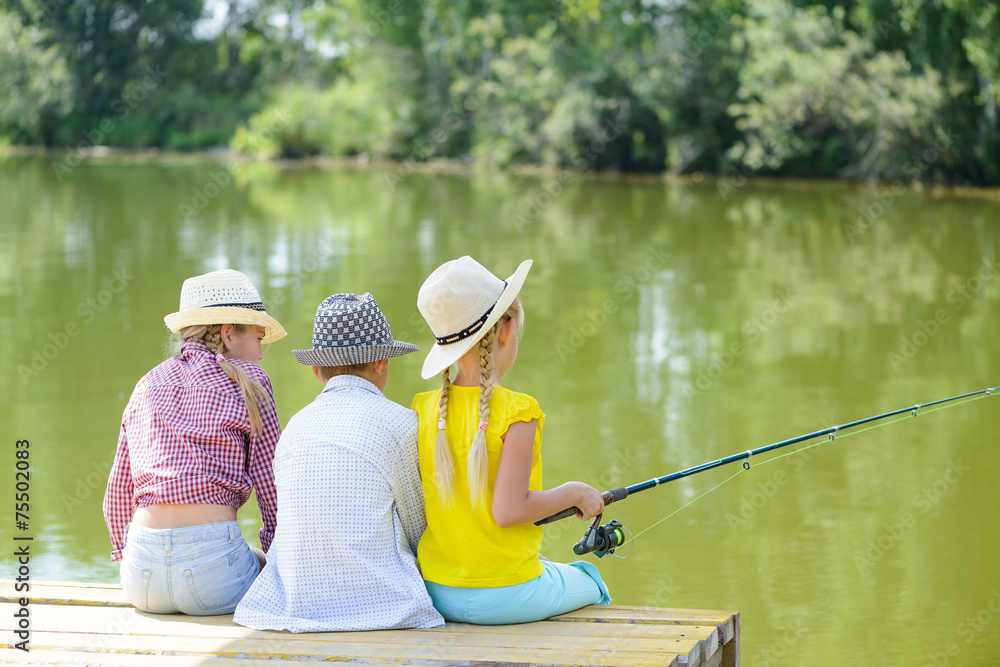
609, 497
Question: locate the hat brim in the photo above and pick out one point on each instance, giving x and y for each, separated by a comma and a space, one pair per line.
226, 315
443, 356
355, 354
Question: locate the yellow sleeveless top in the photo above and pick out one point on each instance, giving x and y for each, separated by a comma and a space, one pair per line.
464, 547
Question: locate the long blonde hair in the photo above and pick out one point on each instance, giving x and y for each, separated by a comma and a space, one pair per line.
478, 464
254, 395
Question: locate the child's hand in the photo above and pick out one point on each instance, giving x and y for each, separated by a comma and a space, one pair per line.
590, 502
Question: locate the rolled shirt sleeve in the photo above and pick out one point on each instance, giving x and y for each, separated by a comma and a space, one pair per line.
118, 497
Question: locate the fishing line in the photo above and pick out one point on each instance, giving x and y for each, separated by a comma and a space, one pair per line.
832, 437
688, 503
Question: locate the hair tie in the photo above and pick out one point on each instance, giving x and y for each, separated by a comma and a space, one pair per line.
220, 358
483, 425
441, 424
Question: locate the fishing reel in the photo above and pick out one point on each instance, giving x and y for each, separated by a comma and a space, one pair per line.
601, 540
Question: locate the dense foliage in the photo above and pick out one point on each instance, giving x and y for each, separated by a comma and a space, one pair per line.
888, 89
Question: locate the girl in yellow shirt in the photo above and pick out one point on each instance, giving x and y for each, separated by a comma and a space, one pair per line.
480, 463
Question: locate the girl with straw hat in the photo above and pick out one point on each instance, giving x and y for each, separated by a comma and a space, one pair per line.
197, 435
480, 463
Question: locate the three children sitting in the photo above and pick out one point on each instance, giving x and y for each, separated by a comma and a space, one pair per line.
351, 471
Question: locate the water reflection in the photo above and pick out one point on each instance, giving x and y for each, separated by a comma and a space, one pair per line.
666, 326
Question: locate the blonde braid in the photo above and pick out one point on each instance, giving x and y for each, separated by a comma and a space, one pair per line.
253, 394
479, 461
444, 466
213, 338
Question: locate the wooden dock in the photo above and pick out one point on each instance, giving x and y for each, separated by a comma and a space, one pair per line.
92, 624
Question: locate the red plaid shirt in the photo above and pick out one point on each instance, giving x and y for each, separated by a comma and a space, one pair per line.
185, 438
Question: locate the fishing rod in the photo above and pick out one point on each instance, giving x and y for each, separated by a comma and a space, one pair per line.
601, 540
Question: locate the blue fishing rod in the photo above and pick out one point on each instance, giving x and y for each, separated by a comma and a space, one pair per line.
602, 540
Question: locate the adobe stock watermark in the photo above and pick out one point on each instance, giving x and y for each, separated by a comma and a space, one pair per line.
781, 649
221, 179
86, 485
531, 208
87, 310
308, 266
755, 501
123, 624
456, 117
751, 331
748, 167
665, 593
625, 286
927, 329
765, 491
132, 97
923, 502
377, 21
967, 630
879, 205
702, 34
739, 174
612, 477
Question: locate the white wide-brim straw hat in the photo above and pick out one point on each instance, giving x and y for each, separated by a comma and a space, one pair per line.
461, 301
351, 329
223, 297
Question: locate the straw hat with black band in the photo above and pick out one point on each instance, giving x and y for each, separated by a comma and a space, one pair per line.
222, 297
461, 301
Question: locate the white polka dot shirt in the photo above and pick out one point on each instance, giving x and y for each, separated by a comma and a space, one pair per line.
350, 516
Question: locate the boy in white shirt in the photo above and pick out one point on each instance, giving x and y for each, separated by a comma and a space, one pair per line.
350, 505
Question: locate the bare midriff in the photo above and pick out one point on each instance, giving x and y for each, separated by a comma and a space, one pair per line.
182, 516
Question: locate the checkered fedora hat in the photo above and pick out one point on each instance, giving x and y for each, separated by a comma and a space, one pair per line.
351, 329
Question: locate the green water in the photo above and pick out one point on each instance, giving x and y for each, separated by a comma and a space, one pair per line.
667, 325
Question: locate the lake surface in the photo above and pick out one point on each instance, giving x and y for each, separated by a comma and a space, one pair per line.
668, 324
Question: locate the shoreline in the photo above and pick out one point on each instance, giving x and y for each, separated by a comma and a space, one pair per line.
459, 167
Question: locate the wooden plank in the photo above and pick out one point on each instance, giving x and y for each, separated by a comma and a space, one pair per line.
68, 593
709, 643
128, 621
714, 660
111, 595
45, 657
647, 615
587, 629
416, 644
594, 635
731, 649
278, 648
87, 585
98, 628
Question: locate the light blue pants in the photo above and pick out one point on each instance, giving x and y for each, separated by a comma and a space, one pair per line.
562, 588
199, 570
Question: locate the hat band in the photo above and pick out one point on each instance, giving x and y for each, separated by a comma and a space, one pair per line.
471, 329
251, 306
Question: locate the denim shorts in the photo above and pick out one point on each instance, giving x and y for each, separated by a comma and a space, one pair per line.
560, 589
198, 570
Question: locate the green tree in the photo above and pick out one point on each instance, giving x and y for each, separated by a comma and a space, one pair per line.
109, 44
35, 82
818, 98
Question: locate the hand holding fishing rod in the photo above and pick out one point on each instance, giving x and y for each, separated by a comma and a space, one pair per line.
601, 540
609, 497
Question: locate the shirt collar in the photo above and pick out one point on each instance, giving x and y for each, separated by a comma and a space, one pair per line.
194, 346
350, 382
